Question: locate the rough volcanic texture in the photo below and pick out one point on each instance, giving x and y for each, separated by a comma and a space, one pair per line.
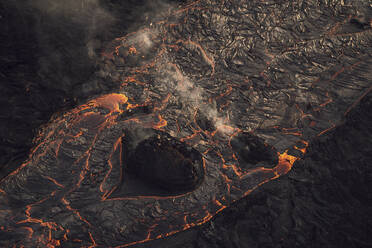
324, 201
49, 52
251, 150
230, 79
165, 162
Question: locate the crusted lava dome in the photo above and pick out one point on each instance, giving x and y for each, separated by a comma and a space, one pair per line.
252, 150
165, 162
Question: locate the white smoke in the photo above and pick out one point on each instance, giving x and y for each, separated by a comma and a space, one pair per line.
194, 98
87, 14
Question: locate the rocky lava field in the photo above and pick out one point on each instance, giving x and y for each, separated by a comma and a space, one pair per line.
186, 123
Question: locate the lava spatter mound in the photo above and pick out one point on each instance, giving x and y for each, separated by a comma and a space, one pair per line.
167, 163
251, 150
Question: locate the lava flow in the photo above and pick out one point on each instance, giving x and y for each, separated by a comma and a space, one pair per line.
195, 125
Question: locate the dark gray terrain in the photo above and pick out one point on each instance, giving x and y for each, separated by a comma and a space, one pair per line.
186, 123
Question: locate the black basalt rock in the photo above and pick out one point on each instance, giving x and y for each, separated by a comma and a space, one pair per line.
165, 162
211, 124
251, 150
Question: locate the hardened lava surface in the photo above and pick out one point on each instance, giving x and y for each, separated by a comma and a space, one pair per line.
212, 100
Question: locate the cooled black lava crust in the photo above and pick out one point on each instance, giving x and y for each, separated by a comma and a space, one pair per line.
145, 121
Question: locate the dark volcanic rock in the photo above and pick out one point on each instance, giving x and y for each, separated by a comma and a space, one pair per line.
167, 163
204, 123
247, 84
324, 201
253, 150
